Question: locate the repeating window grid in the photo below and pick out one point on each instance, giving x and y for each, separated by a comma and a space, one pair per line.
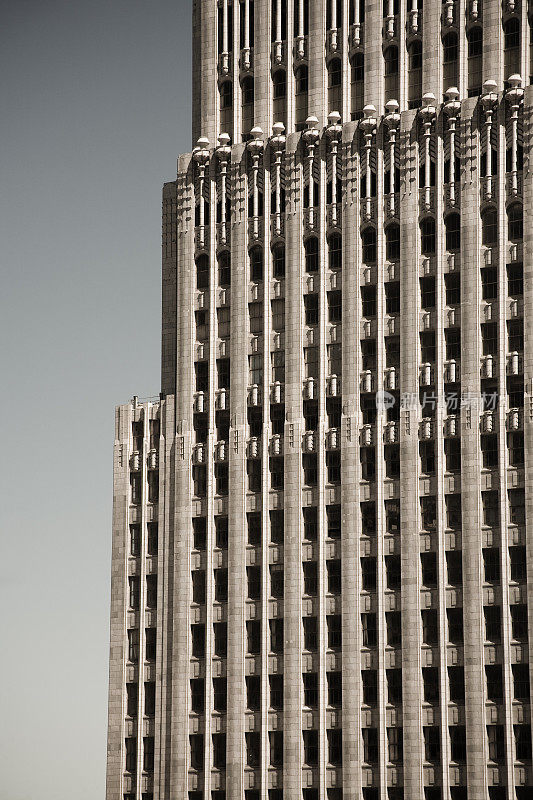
265, 606
502, 457
380, 465
135, 759
501, 449
457, 60
321, 599
440, 303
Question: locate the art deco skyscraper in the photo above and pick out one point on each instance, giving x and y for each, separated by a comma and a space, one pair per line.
323, 543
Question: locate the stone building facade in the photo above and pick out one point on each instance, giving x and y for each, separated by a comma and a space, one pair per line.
322, 549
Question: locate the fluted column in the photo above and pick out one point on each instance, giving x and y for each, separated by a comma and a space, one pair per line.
317, 62
179, 527
121, 489
528, 362
492, 42
204, 92
409, 496
167, 455
374, 93
432, 47
470, 467
351, 473
292, 659
237, 480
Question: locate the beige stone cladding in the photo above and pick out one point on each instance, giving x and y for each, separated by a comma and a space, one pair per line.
322, 564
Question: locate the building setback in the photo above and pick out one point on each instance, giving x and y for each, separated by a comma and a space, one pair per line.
322, 575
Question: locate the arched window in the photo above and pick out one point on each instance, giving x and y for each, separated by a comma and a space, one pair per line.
278, 260
311, 254
368, 240
511, 42
224, 268
247, 90
450, 48
475, 42
301, 77
357, 85
452, 223
427, 233
335, 251
279, 81
475, 50
489, 226
391, 60
450, 58
256, 263
202, 272
392, 240
414, 52
515, 222
226, 95
334, 73
511, 34
391, 72
247, 87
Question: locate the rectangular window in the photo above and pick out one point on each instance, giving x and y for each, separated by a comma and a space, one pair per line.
253, 692
369, 681
253, 636
455, 625
334, 680
370, 745
333, 568
219, 750
135, 540
275, 739
456, 684
334, 626
131, 754
310, 572
276, 691
277, 360
333, 516
196, 742
255, 366
220, 633
310, 681
276, 635
310, 633
148, 753
221, 532
493, 624
458, 742
277, 525
369, 626
133, 645
276, 580
310, 748
220, 692
311, 362
395, 744
394, 685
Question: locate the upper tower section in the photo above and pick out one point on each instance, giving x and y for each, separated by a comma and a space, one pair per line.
257, 62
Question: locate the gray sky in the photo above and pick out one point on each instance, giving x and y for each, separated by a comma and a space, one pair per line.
95, 107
